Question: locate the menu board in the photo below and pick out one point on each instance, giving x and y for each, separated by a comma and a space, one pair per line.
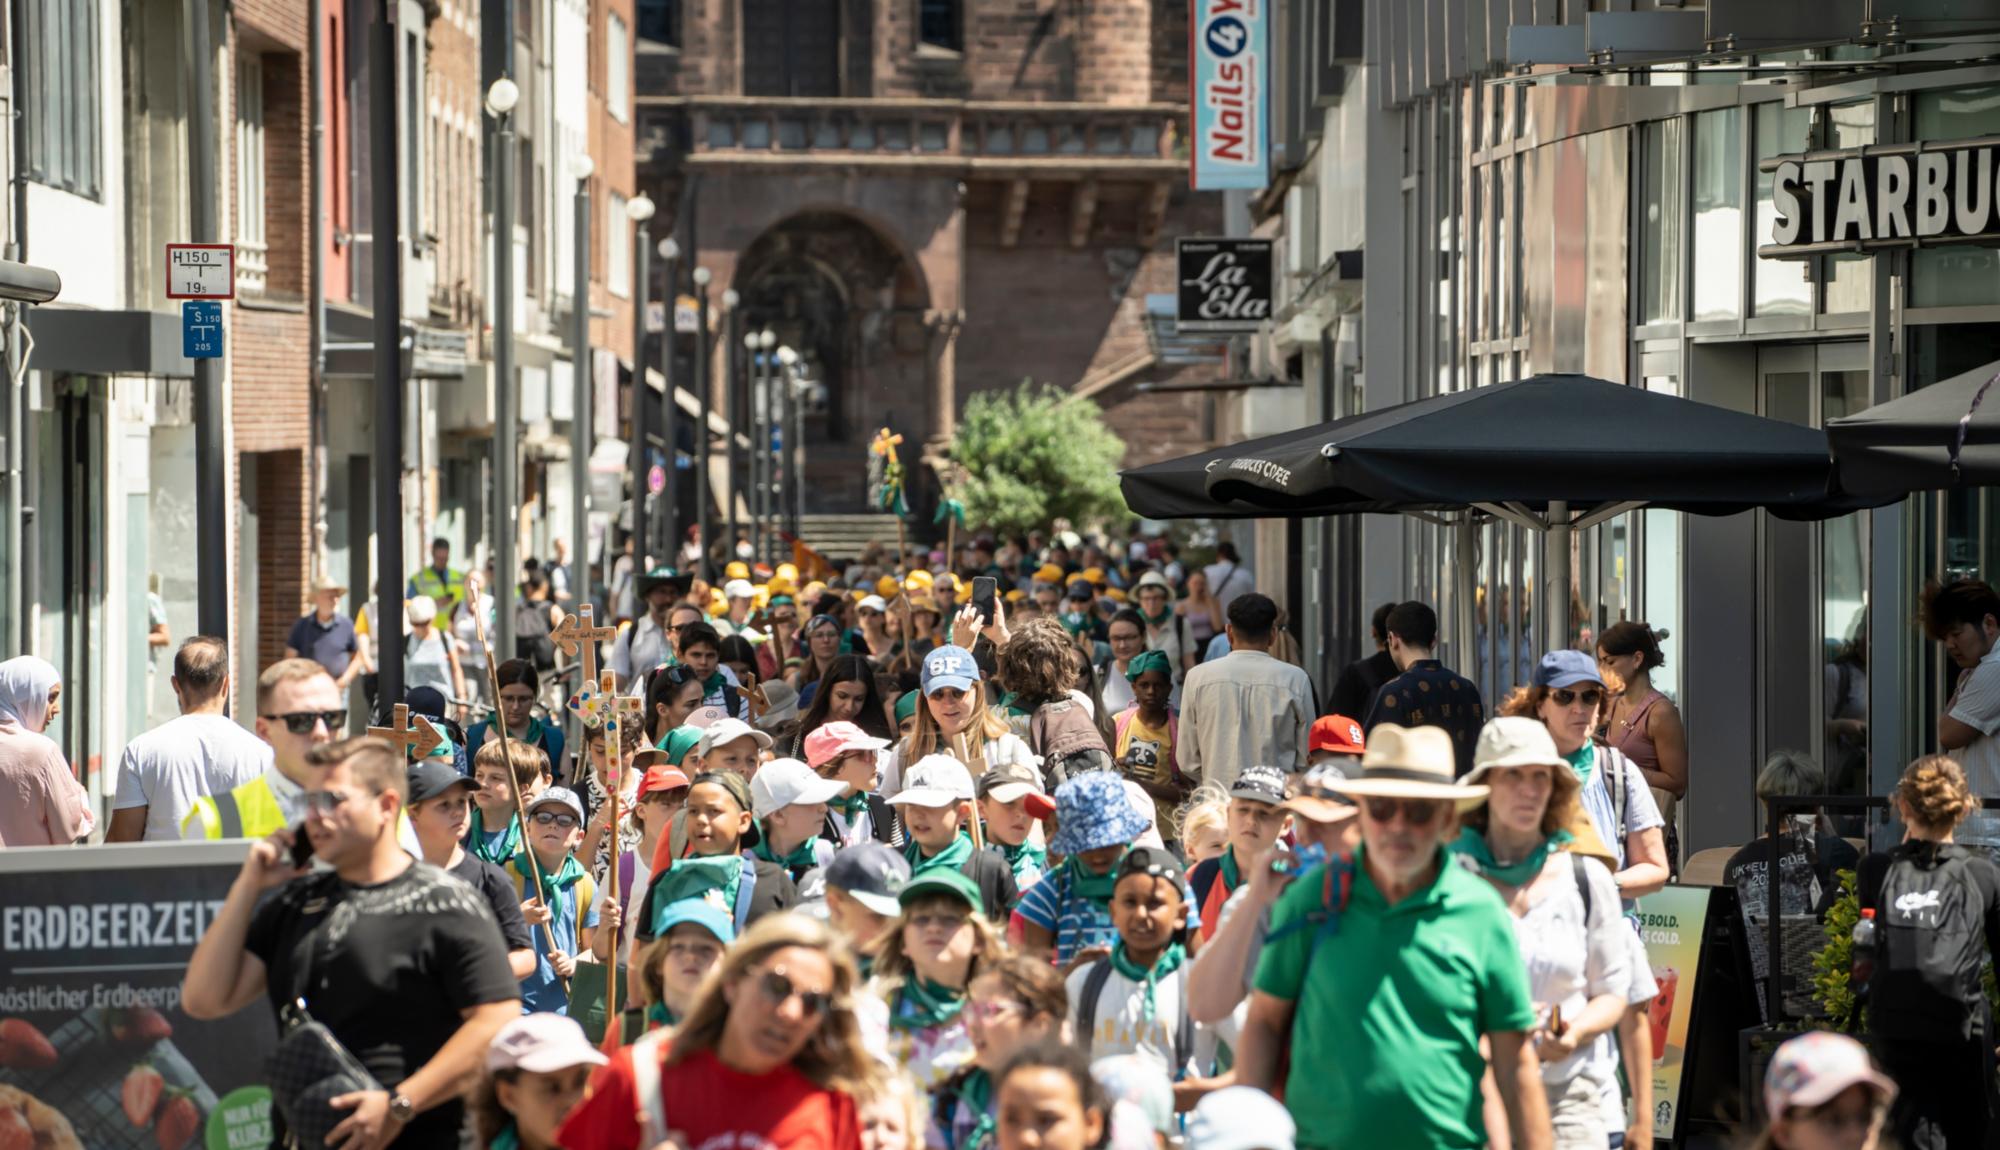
1672, 922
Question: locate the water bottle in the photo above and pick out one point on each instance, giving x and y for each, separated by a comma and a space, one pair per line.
1862, 969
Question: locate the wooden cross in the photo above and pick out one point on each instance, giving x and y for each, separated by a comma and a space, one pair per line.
419, 739
577, 630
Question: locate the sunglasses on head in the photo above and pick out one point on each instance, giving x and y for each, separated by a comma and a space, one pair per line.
302, 722
779, 989
1590, 696
1415, 812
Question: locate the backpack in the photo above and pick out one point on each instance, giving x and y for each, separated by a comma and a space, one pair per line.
652, 1103
531, 634
1086, 1014
1930, 942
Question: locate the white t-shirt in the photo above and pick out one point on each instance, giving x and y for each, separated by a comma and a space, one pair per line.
166, 769
1570, 961
1121, 1025
1976, 703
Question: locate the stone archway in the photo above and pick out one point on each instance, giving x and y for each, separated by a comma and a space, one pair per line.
856, 309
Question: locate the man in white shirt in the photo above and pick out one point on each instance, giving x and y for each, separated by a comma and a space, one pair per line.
648, 642
1965, 618
200, 753
1245, 708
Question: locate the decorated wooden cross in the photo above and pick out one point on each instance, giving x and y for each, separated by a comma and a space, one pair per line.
598, 704
578, 630
419, 739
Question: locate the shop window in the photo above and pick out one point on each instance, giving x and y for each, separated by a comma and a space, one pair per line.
1718, 215
1956, 276
1660, 222
62, 124
1780, 287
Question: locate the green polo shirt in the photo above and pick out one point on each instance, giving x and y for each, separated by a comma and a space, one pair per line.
1389, 1010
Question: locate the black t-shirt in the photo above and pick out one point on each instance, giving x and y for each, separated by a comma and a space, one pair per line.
392, 966
501, 895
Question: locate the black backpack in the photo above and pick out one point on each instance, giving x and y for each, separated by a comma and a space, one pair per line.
531, 634
1929, 942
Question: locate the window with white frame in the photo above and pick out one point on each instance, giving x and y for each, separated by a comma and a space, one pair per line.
253, 258
618, 43
618, 260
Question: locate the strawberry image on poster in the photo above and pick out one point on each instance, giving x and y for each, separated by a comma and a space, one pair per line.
23, 1047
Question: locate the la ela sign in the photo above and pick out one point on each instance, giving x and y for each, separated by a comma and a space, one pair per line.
1896, 195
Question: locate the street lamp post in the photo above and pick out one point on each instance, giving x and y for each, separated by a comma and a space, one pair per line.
794, 405
639, 209
704, 394
388, 367
733, 325
670, 413
767, 342
500, 101
579, 436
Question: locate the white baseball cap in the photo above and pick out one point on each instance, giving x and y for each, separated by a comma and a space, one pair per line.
935, 781
541, 1044
1240, 1118
725, 731
872, 603
738, 589
782, 783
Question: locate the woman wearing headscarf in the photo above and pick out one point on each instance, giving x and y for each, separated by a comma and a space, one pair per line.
41, 802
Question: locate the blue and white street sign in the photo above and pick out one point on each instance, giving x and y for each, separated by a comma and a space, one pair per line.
201, 330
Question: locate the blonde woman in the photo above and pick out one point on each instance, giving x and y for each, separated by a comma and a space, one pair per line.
953, 719
773, 1023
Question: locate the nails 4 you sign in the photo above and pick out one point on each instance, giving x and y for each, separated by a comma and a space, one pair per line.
1225, 284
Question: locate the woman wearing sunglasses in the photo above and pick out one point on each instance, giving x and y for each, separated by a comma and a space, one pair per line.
1012, 1004
770, 1055
672, 694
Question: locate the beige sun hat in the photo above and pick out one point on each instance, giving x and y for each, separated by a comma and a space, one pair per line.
1410, 763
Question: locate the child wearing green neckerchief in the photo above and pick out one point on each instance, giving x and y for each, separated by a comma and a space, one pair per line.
500, 769
1255, 822
790, 800
693, 935
557, 891
939, 944
1010, 802
1012, 1004
1135, 1001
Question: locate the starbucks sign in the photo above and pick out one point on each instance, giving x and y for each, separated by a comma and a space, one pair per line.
1898, 195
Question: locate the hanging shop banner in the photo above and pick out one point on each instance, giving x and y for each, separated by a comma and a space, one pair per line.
1671, 923
1225, 284
94, 1048
1883, 197
1229, 56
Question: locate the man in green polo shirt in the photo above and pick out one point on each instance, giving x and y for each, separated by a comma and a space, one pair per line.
1383, 981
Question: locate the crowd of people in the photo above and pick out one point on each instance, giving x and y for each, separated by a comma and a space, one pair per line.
1060, 849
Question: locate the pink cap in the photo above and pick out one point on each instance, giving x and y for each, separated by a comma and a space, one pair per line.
1815, 1067
829, 741
541, 1044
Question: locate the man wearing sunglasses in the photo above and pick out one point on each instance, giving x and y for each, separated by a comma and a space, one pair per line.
647, 643
1383, 972
299, 707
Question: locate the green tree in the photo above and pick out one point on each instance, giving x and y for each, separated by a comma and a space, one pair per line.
1033, 455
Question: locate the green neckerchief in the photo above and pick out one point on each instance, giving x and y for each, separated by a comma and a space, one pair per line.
1095, 887
1159, 620
534, 735
864, 965
1583, 760
1474, 846
713, 683
1232, 877
850, 804
510, 843
1025, 854
508, 1138
802, 859
659, 1015
922, 1004
714, 878
950, 858
1169, 961
564, 877
976, 1091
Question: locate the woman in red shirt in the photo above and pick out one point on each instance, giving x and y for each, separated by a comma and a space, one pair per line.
769, 1056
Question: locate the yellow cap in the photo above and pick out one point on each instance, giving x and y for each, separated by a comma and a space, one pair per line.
1073, 580
1049, 573
886, 586
919, 579
949, 579
717, 604
1016, 595
738, 570
924, 603
1114, 594
1095, 575
760, 598
781, 587
813, 590
857, 594
788, 572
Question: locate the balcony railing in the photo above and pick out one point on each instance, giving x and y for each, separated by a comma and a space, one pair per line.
927, 132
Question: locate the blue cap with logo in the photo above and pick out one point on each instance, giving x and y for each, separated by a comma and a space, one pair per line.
950, 667
1566, 669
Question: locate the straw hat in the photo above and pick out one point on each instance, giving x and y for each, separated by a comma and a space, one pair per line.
1410, 763
1511, 742
328, 583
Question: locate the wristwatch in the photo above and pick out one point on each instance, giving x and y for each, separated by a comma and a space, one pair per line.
401, 1108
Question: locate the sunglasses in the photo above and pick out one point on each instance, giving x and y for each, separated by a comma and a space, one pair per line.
1415, 812
324, 802
1590, 696
302, 722
779, 989
986, 1012
556, 819
943, 920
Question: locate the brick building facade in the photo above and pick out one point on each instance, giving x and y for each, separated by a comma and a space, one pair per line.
931, 200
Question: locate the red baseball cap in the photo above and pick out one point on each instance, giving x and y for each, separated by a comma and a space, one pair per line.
662, 778
1337, 734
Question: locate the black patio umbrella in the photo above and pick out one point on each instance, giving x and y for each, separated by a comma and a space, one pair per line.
1178, 488
1942, 436
1563, 443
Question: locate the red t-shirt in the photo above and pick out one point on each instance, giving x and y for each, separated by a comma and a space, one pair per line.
715, 1108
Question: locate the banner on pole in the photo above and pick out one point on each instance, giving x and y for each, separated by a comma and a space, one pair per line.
1229, 57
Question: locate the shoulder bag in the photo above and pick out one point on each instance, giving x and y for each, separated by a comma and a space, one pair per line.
311, 1067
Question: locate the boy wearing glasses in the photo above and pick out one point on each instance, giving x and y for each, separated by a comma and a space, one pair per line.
566, 899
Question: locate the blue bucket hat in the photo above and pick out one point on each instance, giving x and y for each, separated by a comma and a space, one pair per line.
1566, 669
952, 667
1094, 812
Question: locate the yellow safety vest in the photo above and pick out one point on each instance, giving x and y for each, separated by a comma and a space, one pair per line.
428, 583
251, 811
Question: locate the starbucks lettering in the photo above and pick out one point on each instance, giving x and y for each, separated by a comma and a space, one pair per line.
1900, 195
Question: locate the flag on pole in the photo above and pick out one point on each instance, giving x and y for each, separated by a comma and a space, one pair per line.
885, 474
953, 510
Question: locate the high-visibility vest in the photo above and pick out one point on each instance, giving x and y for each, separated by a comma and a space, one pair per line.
251, 811
429, 584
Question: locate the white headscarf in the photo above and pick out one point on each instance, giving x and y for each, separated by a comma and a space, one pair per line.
25, 683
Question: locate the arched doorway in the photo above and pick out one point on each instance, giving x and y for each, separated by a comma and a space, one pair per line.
853, 306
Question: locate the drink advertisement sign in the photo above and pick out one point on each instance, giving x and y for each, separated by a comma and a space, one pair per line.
94, 1048
1229, 58
1672, 922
